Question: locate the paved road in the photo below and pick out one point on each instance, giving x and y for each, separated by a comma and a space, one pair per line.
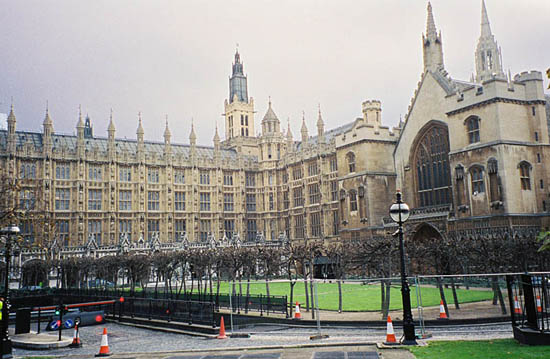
125, 339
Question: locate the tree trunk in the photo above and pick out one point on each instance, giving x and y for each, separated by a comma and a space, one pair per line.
386, 306
339, 296
382, 297
291, 296
442, 294
247, 293
305, 286
311, 289
455, 297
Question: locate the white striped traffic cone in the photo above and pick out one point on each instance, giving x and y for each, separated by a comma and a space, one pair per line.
442, 312
297, 314
539, 306
390, 334
76, 339
517, 307
104, 348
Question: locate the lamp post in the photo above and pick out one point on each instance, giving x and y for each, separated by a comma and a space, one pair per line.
399, 213
7, 232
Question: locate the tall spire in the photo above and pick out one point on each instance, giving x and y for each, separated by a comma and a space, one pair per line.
431, 31
167, 133
304, 129
485, 25
432, 44
111, 123
48, 120
192, 136
320, 127
488, 55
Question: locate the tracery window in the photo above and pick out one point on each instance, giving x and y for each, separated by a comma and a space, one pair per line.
524, 175
350, 158
478, 186
431, 159
352, 200
473, 129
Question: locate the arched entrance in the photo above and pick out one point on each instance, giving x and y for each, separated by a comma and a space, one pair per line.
34, 272
428, 250
430, 158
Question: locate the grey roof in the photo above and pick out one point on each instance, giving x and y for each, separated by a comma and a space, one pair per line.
69, 142
330, 134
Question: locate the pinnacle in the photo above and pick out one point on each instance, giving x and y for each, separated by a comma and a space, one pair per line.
431, 31
485, 26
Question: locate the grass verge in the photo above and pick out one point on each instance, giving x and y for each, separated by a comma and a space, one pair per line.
485, 349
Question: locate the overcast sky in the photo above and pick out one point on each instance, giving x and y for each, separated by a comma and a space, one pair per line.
174, 58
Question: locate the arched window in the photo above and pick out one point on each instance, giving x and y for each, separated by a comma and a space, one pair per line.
472, 124
431, 159
525, 175
478, 185
352, 200
350, 157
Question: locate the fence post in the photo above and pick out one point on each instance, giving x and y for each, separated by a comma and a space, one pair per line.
286, 306
150, 309
530, 307
38, 328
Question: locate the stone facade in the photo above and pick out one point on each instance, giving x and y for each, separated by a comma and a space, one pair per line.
471, 158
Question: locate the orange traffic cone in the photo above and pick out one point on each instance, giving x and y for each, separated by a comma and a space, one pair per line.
517, 307
390, 334
104, 348
442, 312
539, 306
222, 330
76, 339
297, 314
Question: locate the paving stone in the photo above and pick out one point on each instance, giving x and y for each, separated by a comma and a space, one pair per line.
329, 355
226, 356
363, 355
261, 356
185, 357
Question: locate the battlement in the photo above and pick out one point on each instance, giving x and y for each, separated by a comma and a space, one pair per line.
371, 105
528, 76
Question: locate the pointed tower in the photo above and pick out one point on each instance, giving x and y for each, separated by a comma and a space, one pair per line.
48, 132
192, 140
270, 123
88, 129
11, 130
80, 147
488, 53
111, 128
140, 133
289, 138
304, 130
239, 109
216, 141
432, 45
320, 128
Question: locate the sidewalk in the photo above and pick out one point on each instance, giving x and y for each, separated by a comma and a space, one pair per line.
40, 341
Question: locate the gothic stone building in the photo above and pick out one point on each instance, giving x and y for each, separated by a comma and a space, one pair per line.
489, 178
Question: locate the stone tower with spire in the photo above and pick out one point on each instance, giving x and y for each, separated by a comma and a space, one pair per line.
239, 112
271, 140
488, 53
11, 130
432, 45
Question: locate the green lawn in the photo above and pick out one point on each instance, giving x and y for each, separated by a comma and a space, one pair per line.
486, 349
357, 297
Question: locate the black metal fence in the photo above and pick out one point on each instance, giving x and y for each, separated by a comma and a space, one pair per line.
529, 296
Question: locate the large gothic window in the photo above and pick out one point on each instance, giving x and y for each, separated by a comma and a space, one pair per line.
473, 129
431, 161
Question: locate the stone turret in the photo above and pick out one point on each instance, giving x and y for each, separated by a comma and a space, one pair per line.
48, 132
320, 128
216, 141
304, 130
80, 147
270, 123
111, 128
432, 45
372, 112
289, 138
140, 133
11, 130
488, 53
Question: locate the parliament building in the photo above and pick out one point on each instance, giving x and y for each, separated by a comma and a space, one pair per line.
472, 158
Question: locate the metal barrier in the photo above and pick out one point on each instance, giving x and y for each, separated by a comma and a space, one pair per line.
528, 295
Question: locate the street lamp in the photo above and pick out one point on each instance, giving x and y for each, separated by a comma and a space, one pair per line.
399, 213
7, 232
